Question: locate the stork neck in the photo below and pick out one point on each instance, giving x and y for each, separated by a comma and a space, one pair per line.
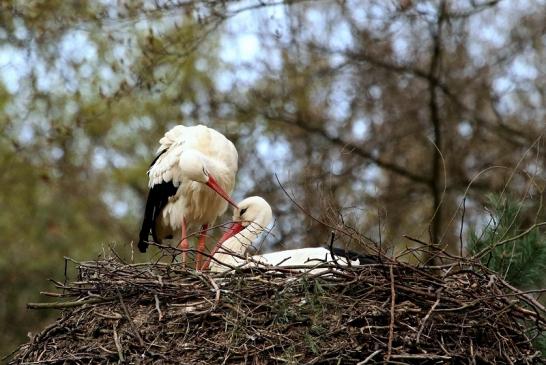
237, 245
218, 169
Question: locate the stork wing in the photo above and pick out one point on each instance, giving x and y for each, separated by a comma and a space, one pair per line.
165, 168
172, 136
162, 186
158, 197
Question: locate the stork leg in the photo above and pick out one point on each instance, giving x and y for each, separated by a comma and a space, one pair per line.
184, 244
201, 247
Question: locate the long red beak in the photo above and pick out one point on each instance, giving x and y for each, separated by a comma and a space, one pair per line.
213, 184
232, 231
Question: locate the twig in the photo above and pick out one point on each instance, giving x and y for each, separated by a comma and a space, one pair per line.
366, 360
379, 229
418, 339
461, 228
114, 315
525, 295
50, 294
415, 240
118, 344
135, 330
217, 290
391, 324
160, 315
61, 305
422, 357
311, 216
503, 242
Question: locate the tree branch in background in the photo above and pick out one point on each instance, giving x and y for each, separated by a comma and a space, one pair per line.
435, 119
353, 147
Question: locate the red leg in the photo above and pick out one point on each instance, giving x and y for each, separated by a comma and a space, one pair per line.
201, 247
209, 259
184, 244
233, 230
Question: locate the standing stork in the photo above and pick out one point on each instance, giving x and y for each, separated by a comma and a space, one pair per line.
189, 181
251, 218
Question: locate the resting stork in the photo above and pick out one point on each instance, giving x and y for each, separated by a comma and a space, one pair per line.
189, 181
251, 217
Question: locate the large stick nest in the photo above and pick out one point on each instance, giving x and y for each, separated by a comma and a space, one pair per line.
161, 313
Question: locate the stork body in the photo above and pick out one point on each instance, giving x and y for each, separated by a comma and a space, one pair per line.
251, 217
308, 256
189, 182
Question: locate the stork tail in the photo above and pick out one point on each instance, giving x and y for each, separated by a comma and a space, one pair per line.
147, 222
363, 259
158, 197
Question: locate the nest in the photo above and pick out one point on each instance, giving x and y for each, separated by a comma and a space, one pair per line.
392, 312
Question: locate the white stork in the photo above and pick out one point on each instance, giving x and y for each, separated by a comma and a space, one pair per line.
251, 217
189, 181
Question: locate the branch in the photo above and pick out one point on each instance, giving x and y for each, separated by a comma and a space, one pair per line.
435, 120
503, 242
358, 150
391, 325
61, 305
131, 323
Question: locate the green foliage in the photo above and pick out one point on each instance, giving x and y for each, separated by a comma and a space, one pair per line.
522, 262
540, 343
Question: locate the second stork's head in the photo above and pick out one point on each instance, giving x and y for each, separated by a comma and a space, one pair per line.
253, 211
195, 166
250, 219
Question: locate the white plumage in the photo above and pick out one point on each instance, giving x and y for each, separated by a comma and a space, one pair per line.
194, 200
190, 181
251, 217
308, 256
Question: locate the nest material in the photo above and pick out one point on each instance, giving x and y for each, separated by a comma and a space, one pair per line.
160, 313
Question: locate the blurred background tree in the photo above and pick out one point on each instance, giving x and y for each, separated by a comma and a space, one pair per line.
398, 116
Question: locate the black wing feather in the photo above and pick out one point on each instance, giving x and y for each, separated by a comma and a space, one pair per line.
351, 255
158, 197
158, 156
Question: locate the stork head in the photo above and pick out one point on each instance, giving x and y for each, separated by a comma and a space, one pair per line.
193, 166
253, 210
253, 214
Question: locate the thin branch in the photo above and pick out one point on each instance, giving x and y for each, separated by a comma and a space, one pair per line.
435, 119
503, 242
391, 324
70, 304
418, 338
131, 323
118, 344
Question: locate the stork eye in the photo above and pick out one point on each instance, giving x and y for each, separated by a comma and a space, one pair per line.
205, 172
243, 211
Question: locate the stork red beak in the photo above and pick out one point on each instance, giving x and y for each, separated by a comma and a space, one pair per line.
213, 184
232, 231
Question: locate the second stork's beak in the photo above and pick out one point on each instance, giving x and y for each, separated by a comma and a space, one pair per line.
213, 184
232, 231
